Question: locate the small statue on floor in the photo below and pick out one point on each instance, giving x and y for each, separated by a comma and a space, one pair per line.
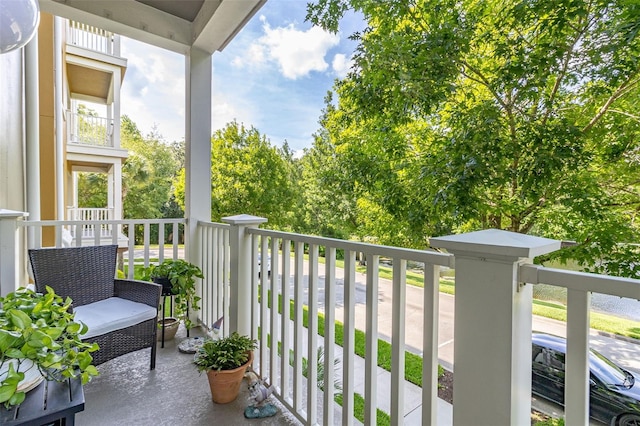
259, 392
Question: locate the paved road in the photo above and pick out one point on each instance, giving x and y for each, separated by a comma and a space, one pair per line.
622, 352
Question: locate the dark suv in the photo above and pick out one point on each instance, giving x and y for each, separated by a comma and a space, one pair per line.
615, 392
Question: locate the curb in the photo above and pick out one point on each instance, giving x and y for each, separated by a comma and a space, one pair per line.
617, 337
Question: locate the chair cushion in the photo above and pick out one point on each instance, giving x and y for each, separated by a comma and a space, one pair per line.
112, 314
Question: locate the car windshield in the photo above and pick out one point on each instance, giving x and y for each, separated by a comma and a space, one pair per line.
605, 370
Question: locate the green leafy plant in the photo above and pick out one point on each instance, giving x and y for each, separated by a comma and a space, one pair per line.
39, 328
224, 354
182, 275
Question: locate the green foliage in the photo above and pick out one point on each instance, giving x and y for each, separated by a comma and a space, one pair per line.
182, 275
39, 328
147, 173
468, 115
550, 422
224, 354
337, 383
248, 175
328, 205
92, 190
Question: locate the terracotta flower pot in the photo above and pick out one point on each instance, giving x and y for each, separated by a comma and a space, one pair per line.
225, 384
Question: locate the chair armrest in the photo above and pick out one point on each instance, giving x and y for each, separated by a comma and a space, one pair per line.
138, 291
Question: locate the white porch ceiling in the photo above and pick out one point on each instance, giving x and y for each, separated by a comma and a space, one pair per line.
176, 25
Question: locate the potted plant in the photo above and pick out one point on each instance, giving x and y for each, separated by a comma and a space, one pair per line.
39, 339
177, 278
225, 361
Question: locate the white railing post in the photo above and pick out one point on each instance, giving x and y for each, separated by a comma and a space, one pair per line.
240, 271
9, 250
492, 348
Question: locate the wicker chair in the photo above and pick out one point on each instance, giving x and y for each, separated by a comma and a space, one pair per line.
86, 274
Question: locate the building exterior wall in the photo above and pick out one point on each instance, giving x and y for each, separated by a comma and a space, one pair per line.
12, 184
47, 118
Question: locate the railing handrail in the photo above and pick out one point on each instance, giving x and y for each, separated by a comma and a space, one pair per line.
430, 257
582, 281
214, 225
92, 131
90, 213
101, 222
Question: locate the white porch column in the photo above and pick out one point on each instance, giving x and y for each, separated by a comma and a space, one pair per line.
197, 147
9, 250
240, 271
492, 348
114, 108
59, 25
117, 190
111, 187
32, 133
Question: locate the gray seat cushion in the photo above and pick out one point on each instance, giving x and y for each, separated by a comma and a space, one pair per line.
112, 314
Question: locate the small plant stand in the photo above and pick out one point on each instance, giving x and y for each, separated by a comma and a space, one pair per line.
170, 295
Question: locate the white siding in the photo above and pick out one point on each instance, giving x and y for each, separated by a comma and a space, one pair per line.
11, 131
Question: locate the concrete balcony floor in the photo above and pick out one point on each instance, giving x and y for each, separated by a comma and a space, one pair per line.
127, 393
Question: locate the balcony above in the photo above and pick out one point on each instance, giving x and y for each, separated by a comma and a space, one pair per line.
93, 62
91, 141
92, 38
89, 130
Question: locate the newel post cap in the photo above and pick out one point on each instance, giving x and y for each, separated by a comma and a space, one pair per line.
496, 243
244, 219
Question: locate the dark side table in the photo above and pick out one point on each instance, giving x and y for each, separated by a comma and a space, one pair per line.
50, 402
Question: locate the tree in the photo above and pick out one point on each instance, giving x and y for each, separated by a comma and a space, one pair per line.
248, 175
513, 115
329, 206
147, 173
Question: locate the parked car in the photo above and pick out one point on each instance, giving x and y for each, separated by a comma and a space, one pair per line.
614, 394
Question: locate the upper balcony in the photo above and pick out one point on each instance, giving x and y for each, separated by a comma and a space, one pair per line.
92, 139
92, 38
94, 67
89, 130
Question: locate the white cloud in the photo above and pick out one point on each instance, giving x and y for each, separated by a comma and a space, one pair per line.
341, 65
296, 52
224, 112
153, 89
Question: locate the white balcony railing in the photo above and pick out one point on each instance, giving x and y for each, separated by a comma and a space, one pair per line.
88, 215
89, 130
92, 38
154, 233
490, 266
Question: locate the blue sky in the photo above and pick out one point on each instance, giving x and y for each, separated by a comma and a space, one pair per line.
274, 76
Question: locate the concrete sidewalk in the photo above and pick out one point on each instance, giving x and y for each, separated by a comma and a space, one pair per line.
412, 396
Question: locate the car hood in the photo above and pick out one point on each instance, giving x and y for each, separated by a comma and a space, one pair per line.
634, 391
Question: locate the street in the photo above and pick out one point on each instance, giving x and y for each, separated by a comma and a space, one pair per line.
624, 353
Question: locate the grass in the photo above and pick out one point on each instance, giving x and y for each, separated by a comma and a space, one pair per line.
382, 418
598, 321
413, 362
